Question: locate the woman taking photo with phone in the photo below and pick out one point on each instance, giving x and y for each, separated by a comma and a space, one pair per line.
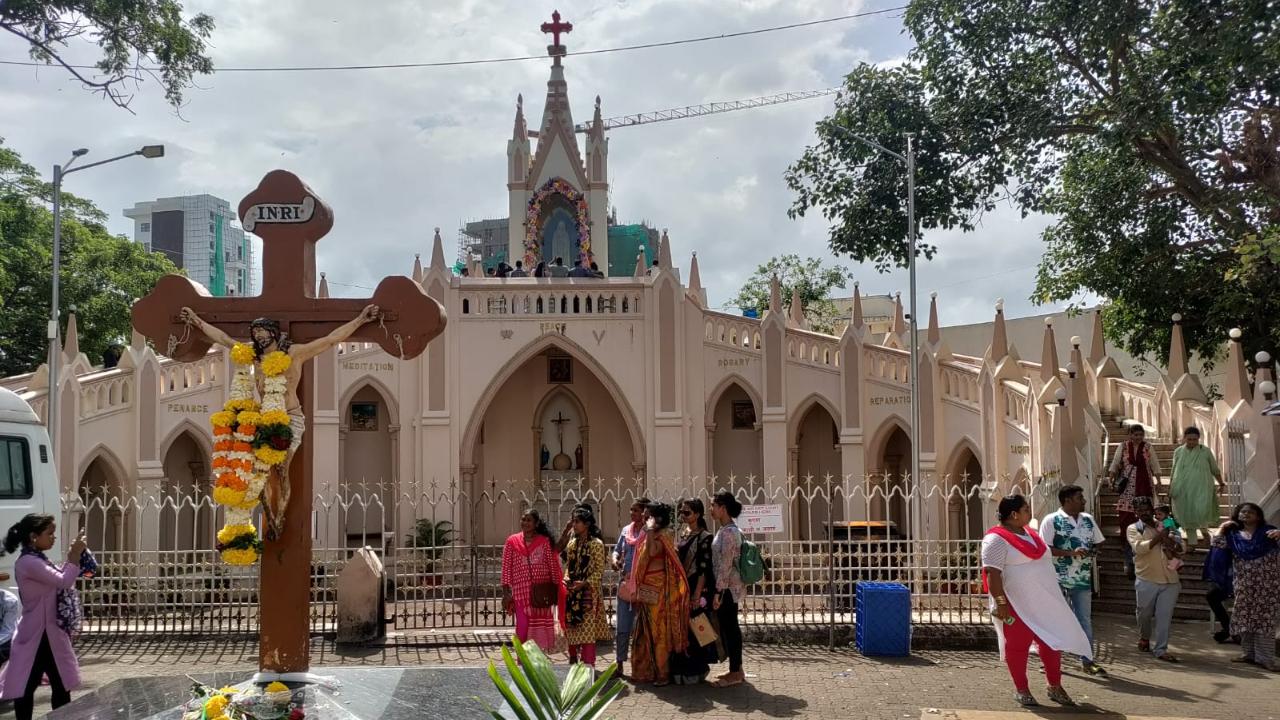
41, 646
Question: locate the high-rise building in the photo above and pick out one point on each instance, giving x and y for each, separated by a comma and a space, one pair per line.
201, 234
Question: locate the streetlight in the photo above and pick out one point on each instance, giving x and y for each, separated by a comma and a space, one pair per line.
55, 347
910, 160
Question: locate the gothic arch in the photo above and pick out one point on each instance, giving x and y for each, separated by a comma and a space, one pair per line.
369, 381
881, 437
953, 466
103, 453
713, 398
202, 438
803, 408
555, 392
577, 352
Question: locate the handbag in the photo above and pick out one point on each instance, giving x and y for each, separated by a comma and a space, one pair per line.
627, 589
702, 630
542, 595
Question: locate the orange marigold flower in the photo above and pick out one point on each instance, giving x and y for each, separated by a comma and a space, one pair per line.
249, 430
222, 430
242, 447
219, 462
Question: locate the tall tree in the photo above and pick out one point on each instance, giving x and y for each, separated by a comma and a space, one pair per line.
101, 274
138, 39
810, 277
1149, 128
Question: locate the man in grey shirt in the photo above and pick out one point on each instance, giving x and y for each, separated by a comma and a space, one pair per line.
519, 270
558, 269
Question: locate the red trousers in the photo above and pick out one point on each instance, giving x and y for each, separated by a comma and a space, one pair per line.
1017, 648
586, 652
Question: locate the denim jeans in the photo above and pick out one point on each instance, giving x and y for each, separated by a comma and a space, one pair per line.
1081, 602
622, 639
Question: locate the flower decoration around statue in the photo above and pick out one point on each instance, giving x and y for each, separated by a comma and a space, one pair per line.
249, 440
532, 241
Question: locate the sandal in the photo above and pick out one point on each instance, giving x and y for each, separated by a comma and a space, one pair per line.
1168, 658
725, 683
1144, 646
1060, 696
1025, 699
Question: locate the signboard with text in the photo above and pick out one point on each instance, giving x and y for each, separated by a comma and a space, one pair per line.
761, 519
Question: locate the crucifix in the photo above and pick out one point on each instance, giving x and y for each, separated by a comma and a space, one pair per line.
183, 320
554, 28
559, 421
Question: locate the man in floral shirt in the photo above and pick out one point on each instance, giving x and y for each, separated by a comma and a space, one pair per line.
1073, 536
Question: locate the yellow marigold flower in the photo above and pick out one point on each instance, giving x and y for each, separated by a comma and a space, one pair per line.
227, 496
242, 353
248, 417
228, 690
222, 418
271, 456
276, 687
248, 503
239, 557
276, 363
231, 532
216, 705
274, 417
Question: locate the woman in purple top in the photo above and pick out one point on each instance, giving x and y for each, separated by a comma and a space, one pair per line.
40, 646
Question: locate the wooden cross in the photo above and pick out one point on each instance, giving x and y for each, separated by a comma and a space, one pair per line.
289, 218
555, 27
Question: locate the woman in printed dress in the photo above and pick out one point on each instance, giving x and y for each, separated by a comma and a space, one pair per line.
1135, 472
585, 623
693, 665
529, 565
1254, 551
1027, 603
662, 620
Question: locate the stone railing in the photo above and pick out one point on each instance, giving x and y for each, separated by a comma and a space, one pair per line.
887, 364
1137, 402
538, 298
16, 382
813, 348
960, 383
179, 377
731, 331
105, 392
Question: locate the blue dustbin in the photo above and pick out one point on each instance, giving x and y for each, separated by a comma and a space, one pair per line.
883, 619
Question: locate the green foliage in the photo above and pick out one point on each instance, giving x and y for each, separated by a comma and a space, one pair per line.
538, 693
810, 277
1150, 130
138, 39
430, 537
101, 274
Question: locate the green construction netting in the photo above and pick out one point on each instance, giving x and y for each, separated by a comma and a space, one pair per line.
624, 245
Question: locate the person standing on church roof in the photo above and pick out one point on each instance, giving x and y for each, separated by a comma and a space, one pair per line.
595, 271
578, 271
653, 269
540, 270
557, 269
519, 270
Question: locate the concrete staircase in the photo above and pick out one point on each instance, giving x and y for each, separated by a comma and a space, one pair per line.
1115, 593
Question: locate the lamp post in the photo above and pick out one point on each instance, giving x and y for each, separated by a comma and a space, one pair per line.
55, 347
910, 161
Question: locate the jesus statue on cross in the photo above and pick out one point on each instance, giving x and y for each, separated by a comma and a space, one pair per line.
266, 338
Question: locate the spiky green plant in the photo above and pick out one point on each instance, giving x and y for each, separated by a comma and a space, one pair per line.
540, 694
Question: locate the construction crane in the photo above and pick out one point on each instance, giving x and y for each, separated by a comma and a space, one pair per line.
700, 109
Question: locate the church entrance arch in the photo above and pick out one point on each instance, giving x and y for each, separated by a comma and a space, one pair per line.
368, 455
964, 517
101, 491
187, 511
816, 458
552, 427
733, 433
890, 475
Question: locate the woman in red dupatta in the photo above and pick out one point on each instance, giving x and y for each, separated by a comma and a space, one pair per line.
529, 559
662, 612
1135, 471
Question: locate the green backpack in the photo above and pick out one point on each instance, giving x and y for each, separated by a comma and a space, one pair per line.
750, 562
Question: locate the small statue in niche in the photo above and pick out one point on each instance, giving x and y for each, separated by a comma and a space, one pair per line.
544, 457
577, 457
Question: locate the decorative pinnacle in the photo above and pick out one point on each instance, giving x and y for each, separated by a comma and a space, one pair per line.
1234, 333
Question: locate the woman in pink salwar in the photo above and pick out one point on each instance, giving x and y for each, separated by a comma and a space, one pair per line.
40, 645
532, 581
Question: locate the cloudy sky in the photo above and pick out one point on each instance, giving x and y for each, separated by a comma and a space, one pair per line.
399, 152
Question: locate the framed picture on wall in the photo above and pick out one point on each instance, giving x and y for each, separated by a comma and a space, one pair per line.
559, 370
744, 415
364, 416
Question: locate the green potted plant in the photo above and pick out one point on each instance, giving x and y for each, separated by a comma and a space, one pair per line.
538, 693
428, 541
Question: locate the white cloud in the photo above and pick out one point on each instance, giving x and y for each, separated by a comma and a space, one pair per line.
399, 152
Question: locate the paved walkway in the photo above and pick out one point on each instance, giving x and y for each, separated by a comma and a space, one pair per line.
793, 681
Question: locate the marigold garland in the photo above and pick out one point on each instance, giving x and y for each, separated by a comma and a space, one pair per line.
533, 249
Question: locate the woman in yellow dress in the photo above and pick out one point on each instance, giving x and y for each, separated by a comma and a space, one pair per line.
662, 623
585, 622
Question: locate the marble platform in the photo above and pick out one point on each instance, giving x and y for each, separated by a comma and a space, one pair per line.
360, 694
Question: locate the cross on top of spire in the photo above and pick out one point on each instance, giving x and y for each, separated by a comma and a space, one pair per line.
555, 27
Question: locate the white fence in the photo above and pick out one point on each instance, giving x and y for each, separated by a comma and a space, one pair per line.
442, 550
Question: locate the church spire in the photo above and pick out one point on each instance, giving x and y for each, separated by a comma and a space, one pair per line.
664, 251
323, 292
797, 311
521, 129
857, 306
437, 252
935, 332
417, 268
899, 319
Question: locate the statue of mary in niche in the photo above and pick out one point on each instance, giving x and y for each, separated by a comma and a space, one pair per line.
560, 235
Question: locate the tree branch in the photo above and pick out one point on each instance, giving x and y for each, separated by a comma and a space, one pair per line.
105, 87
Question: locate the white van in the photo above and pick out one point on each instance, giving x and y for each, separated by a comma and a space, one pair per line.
28, 480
